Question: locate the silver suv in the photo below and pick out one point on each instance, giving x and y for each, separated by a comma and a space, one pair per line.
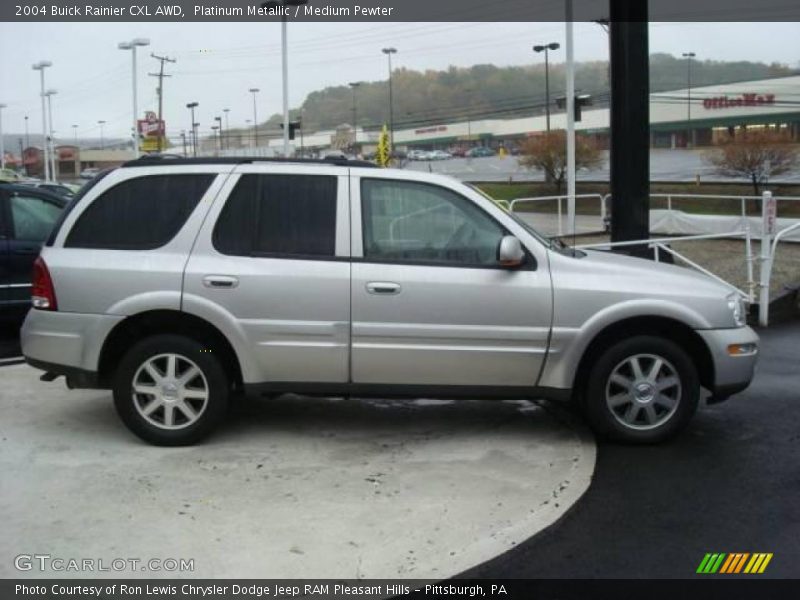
176, 283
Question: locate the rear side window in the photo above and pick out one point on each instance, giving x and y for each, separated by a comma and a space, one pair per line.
279, 215
139, 214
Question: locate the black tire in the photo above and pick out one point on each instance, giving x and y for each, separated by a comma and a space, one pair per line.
212, 379
619, 423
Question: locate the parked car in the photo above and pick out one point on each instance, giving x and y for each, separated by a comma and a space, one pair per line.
480, 152
458, 152
174, 283
59, 189
11, 176
439, 155
417, 155
89, 173
27, 215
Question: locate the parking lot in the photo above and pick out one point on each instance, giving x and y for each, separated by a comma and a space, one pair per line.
441, 488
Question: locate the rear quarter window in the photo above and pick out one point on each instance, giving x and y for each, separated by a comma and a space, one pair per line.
139, 214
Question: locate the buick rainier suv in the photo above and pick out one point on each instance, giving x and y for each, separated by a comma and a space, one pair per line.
176, 283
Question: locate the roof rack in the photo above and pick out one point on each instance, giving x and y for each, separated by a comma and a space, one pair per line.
148, 160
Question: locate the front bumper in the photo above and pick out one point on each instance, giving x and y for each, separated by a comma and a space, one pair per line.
732, 373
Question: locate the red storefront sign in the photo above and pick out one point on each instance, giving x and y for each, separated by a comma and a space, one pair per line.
738, 101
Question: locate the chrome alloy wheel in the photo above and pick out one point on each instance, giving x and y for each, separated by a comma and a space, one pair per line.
170, 391
643, 391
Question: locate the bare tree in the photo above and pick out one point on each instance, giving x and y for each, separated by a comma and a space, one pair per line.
548, 153
756, 155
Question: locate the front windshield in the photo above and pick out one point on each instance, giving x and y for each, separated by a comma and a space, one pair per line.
550, 243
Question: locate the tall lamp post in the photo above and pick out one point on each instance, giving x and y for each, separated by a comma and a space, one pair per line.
227, 129
41, 66
75, 134
2, 146
214, 130
689, 56
254, 91
388, 52
52, 142
219, 126
285, 64
132, 45
546, 49
102, 139
354, 85
191, 106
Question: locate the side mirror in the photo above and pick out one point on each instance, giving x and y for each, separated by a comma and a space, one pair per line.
510, 253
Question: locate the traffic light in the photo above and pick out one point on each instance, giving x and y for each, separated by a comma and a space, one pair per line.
293, 126
580, 101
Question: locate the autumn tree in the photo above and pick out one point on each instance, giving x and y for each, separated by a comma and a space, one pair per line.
548, 153
756, 155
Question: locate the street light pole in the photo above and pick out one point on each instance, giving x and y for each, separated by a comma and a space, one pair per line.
254, 91
2, 145
41, 66
546, 49
214, 130
102, 139
50, 93
219, 125
191, 106
132, 45
689, 56
227, 128
354, 86
75, 134
388, 52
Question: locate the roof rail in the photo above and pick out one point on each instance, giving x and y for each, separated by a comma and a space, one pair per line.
149, 160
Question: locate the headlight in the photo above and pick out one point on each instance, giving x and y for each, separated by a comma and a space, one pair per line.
736, 304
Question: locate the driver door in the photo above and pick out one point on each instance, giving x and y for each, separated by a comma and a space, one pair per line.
430, 304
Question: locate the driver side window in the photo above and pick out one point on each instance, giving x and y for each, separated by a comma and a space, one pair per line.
406, 221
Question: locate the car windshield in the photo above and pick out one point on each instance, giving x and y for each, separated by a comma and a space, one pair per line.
529, 228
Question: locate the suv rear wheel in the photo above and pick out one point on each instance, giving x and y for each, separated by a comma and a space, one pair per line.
170, 390
642, 390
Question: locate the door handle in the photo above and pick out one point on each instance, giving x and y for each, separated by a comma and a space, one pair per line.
220, 281
385, 288
29, 250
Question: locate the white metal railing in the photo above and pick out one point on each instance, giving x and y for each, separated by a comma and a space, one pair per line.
559, 199
769, 237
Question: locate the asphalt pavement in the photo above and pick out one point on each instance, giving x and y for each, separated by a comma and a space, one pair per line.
730, 483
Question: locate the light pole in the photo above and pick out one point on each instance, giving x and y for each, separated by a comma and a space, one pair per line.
689, 56
227, 129
254, 91
214, 129
41, 66
75, 134
546, 49
354, 85
132, 45
388, 52
102, 139
285, 61
219, 126
50, 93
191, 106
27, 144
2, 146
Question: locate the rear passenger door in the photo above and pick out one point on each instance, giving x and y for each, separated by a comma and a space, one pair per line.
5, 270
271, 266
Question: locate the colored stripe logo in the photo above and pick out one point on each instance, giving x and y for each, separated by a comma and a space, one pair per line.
734, 563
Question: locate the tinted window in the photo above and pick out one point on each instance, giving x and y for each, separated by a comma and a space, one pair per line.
283, 215
139, 214
416, 222
33, 218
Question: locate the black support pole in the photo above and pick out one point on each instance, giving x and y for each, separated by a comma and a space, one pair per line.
630, 122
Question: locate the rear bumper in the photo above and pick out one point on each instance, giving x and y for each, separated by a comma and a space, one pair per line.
76, 378
65, 341
732, 374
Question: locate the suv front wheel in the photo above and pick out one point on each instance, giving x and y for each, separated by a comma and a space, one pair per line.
642, 390
170, 390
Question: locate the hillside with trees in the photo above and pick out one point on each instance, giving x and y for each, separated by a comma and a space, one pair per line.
482, 91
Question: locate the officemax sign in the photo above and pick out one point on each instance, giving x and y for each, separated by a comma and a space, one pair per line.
738, 101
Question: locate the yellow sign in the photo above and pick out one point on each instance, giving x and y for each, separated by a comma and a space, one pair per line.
150, 144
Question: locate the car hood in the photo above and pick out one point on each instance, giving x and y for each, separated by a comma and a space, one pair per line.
598, 280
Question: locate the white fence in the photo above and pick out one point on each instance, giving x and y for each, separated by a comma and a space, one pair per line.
768, 227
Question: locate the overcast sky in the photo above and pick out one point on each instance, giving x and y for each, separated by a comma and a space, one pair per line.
218, 63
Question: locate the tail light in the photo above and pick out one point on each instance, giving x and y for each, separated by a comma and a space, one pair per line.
43, 294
